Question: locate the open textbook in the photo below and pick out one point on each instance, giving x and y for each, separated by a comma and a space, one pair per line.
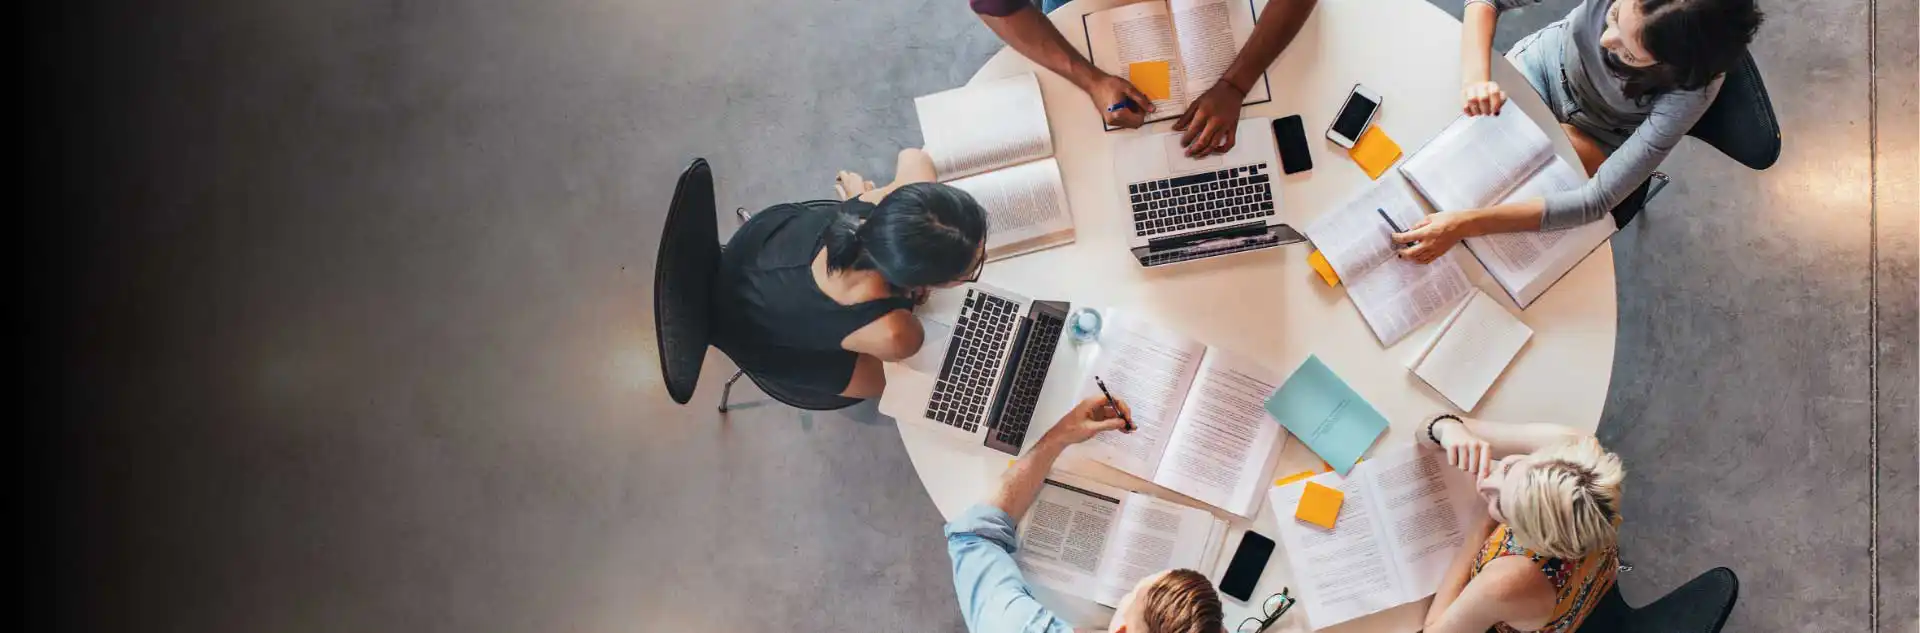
1394, 295
992, 141
1097, 541
1202, 426
1197, 39
1470, 351
1488, 160
1404, 518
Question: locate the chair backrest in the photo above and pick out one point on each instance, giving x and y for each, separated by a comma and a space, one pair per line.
683, 280
1740, 123
1700, 606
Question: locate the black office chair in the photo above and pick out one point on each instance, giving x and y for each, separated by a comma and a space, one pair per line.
683, 278
1740, 124
1700, 606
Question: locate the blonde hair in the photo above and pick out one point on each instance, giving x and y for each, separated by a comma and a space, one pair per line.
1568, 504
1181, 601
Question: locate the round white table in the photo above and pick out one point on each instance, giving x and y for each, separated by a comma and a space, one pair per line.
1268, 305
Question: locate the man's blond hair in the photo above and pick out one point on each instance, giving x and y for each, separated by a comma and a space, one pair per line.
1182, 601
1568, 503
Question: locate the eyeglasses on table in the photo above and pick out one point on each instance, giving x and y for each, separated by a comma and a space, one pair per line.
1275, 606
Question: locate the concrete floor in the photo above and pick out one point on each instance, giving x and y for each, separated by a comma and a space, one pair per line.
356, 332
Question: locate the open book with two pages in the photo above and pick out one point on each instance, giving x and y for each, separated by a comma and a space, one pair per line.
1393, 295
1197, 39
1202, 429
1403, 519
1483, 161
991, 140
1096, 541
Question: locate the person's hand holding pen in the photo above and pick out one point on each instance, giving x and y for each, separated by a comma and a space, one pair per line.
1091, 417
1432, 236
1120, 103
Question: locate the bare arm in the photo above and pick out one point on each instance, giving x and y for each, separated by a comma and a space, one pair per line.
1476, 42
1022, 482
1507, 590
1030, 33
1211, 121
913, 165
1458, 572
1271, 35
893, 337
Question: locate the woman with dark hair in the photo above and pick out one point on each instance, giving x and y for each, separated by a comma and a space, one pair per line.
816, 296
1626, 79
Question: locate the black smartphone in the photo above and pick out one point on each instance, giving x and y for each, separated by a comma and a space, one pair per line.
1291, 135
1248, 561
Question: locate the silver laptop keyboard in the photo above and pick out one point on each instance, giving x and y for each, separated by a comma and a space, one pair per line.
974, 356
1230, 195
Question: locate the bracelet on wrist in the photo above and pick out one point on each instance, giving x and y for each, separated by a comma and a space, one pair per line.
1243, 91
1436, 420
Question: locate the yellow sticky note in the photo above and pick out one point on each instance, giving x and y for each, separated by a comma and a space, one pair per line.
1375, 152
1319, 505
1320, 265
1294, 477
1153, 78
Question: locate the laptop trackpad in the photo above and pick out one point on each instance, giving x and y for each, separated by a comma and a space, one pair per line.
1177, 159
933, 348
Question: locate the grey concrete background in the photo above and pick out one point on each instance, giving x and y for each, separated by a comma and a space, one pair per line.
355, 333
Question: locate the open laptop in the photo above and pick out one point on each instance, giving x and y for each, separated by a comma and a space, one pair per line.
1184, 209
981, 383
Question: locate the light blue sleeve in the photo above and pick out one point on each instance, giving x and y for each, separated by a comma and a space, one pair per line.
1622, 172
1502, 5
994, 598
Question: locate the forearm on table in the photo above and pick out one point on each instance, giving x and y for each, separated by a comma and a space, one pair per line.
1022, 482
1518, 438
1030, 33
1476, 41
1271, 35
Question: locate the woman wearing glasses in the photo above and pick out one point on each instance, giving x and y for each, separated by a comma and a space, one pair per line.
1548, 551
815, 296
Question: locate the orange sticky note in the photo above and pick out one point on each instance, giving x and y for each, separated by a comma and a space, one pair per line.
1294, 477
1319, 264
1375, 152
1153, 78
1319, 505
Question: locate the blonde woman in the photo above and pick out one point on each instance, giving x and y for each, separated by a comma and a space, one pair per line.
1548, 551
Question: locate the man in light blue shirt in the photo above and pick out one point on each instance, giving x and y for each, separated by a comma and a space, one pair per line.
994, 598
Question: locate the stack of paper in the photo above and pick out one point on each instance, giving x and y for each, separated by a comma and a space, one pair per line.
1471, 350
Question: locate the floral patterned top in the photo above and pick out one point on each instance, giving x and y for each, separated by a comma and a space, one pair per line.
1580, 583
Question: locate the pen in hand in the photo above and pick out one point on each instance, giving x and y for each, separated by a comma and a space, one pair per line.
1126, 103
1392, 225
1115, 405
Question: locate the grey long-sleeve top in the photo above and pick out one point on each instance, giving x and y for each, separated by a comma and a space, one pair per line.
1643, 131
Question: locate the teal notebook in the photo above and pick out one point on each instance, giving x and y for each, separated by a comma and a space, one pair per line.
1319, 408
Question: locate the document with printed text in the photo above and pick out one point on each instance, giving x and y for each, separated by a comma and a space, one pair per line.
1097, 541
992, 141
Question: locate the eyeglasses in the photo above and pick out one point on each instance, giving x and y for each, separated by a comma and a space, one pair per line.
1275, 606
978, 267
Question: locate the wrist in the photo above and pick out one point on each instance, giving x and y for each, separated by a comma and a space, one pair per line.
1441, 425
1235, 86
1084, 75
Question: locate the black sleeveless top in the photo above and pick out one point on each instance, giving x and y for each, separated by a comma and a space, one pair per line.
765, 294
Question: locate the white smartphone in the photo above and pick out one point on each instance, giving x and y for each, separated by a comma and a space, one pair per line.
1355, 116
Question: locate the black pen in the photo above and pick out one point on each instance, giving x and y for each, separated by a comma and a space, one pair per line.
1116, 406
1392, 225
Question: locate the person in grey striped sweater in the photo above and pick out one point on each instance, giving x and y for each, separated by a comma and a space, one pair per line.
1626, 79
